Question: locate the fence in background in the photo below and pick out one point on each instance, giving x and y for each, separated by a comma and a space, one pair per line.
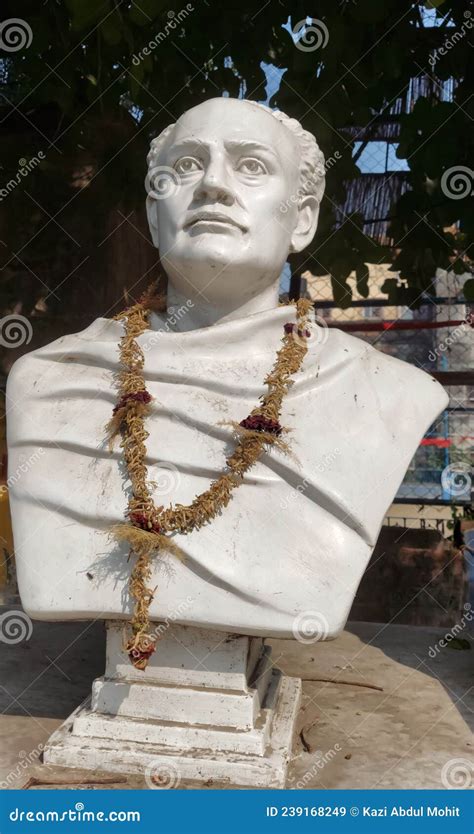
437, 337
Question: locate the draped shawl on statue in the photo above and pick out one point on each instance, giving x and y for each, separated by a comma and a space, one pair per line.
297, 534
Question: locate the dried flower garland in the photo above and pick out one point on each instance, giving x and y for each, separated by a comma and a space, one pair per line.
149, 528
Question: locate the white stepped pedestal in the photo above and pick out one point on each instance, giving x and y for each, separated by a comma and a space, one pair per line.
208, 706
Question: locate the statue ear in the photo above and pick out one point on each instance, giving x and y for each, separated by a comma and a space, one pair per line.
152, 214
306, 223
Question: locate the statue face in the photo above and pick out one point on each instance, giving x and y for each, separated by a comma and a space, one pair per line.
236, 167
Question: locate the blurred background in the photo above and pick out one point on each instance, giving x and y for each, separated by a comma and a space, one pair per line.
387, 88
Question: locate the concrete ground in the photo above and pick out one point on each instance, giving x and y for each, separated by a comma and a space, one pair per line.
383, 707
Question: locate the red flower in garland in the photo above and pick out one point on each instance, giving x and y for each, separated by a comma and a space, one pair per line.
141, 520
140, 656
257, 422
289, 327
137, 397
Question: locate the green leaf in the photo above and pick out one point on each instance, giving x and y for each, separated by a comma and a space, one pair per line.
341, 291
112, 29
390, 286
460, 644
369, 11
84, 13
144, 12
362, 280
468, 290
458, 267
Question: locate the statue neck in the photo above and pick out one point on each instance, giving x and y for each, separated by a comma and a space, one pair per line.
187, 311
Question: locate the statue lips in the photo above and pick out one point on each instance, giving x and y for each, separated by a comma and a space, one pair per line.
211, 221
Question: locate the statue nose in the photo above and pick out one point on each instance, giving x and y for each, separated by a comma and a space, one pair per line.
215, 184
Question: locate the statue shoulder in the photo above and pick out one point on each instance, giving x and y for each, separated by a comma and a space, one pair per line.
397, 386
62, 351
363, 417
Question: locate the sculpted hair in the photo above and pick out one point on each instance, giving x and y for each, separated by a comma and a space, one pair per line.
312, 170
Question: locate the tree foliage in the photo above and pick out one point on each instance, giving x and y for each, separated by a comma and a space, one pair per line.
85, 95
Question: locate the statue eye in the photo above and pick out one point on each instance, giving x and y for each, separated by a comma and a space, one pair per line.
251, 166
187, 165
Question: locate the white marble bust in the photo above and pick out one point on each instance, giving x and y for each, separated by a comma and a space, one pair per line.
297, 535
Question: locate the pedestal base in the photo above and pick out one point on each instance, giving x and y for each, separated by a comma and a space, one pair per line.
208, 707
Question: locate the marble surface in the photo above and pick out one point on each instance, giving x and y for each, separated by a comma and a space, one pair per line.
232, 189
399, 736
297, 534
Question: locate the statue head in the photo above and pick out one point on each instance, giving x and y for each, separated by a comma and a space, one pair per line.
233, 188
